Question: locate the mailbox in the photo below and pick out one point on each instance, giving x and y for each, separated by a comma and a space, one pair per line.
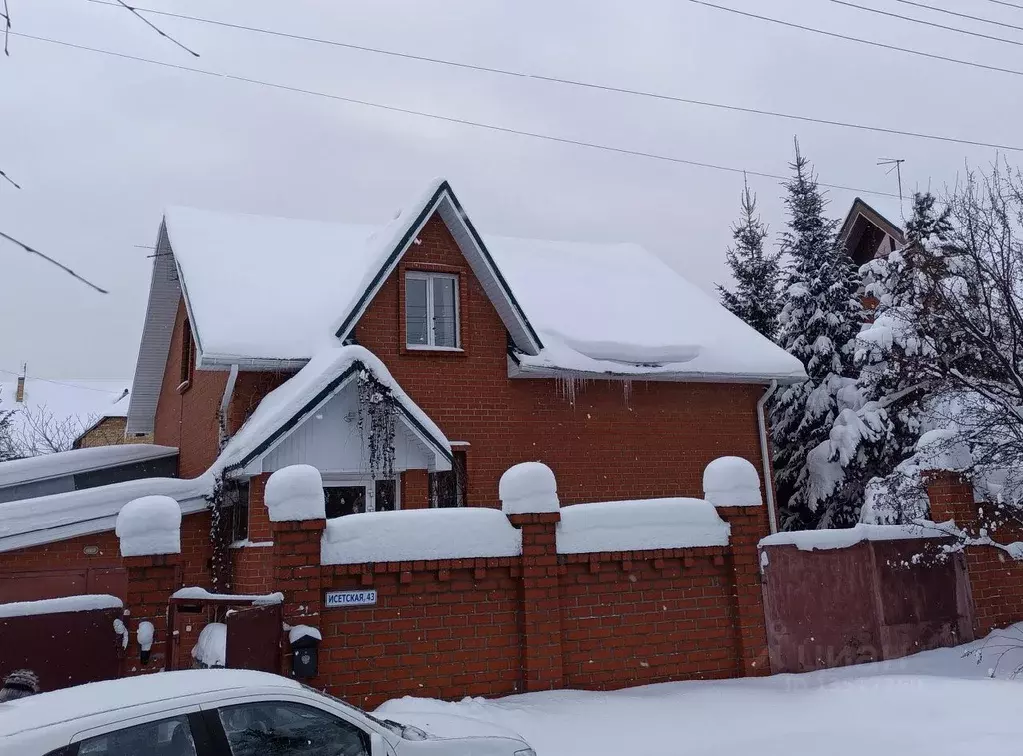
303, 656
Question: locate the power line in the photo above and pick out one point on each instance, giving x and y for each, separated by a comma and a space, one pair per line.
10, 180
960, 15
581, 84
6, 16
60, 383
955, 29
1006, 4
50, 260
444, 118
151, 25
859, 40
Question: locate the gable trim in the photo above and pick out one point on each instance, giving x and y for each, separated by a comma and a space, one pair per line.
267, 445
533, 345
872, 216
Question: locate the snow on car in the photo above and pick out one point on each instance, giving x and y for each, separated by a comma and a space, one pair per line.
220, 712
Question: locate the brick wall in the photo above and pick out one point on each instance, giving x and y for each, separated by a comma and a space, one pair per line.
108, 432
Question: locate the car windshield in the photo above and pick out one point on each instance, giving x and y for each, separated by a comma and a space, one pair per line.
396, 727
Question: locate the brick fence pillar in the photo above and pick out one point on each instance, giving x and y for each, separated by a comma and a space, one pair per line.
732, 485
149, 534
529, 498
297, 515
951, 498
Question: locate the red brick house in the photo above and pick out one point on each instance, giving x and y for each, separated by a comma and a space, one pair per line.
412, 365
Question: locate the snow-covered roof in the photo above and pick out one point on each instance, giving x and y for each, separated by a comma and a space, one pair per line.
329, 371
78, 461
45, 519
603, 309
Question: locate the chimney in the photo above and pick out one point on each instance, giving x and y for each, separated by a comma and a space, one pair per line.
19, 393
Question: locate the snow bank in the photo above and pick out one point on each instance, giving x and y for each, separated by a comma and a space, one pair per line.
732, 482
291, 398
77, 460
211, 648
840, 538
419, 534
639, 525
196, 593
149, 525
528, 487
298, 632
295, 493
60, 605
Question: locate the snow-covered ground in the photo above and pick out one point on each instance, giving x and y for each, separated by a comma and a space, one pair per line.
933, 703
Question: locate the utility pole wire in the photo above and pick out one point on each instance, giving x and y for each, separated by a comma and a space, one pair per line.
580, 84
50, 260
859, 40
438, 116
154, 27
1006, 4
957, 30
12, 182
960, 15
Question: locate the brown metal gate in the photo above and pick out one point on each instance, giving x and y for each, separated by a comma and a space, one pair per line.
254, 630
64, 649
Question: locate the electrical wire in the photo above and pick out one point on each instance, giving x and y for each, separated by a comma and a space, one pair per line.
50, 260
59, 383
578, 83
960, 15
447, 119
9, 180
955, 29
151, 25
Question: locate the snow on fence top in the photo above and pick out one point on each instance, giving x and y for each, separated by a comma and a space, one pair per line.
840, 538
416, 534
732, 482
195, 593
528, 488
295, 493
60, 605
149, 525
640, 525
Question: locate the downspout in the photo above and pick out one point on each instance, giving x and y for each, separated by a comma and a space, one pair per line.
225, 403
765, 456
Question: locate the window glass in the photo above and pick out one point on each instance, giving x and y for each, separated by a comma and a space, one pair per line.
416, 325
344, 500
385, 496
237, 499
168, 737
447, 489
445, 325
287, 729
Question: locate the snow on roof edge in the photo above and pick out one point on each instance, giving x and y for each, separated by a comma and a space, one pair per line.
74, 461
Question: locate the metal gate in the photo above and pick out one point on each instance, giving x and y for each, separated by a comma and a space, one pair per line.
254, 638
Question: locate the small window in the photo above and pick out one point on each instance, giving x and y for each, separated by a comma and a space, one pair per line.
447, 489
431, 310
344, 500
287, 729
385, 498
187, 353
237, 499
167, 736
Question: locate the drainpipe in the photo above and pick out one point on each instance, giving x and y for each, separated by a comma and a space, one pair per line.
225, 403
765, 456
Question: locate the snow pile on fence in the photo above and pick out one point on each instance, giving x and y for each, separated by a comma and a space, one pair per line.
195, 593
211, 648
86, 603
840, 538
529, 487
418, 534
149, 525
298, 632
295, 493
732, 482
640, 525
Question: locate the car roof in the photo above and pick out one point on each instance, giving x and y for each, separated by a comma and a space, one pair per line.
47, 709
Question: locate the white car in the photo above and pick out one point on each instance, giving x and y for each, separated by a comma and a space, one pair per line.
221, 712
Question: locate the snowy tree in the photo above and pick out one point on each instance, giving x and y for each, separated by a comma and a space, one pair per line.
756, 272
8, 445
893, 354
818, 322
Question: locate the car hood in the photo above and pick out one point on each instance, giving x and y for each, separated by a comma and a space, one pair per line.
448, 726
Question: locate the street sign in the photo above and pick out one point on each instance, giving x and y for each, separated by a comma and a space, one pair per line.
338, 599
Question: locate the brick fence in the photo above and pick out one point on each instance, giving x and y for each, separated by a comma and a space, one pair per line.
492, 625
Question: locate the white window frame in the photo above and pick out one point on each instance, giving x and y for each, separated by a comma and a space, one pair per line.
369, 484
431, 338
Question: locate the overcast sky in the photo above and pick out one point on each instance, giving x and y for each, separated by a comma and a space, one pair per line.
101, 144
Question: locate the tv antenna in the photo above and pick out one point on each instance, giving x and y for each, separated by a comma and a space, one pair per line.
894, 164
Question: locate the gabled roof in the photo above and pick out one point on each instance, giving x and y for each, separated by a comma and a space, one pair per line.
861, 209
327, 373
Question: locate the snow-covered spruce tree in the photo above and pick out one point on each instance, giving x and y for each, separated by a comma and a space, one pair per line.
756, 272
820, 316
893, 353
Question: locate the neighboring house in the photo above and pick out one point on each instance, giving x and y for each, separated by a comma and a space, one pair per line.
109, 428
414, 363
866, 234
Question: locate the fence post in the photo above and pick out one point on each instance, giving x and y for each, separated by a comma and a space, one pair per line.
149, 532
529, 498
951, 497
732, 485
294, 498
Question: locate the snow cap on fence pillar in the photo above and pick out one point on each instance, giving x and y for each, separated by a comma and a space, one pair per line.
149, 526
295, 493
732, 482
528, 488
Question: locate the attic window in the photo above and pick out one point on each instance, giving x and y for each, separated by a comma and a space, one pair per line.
431, 310
187, 353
